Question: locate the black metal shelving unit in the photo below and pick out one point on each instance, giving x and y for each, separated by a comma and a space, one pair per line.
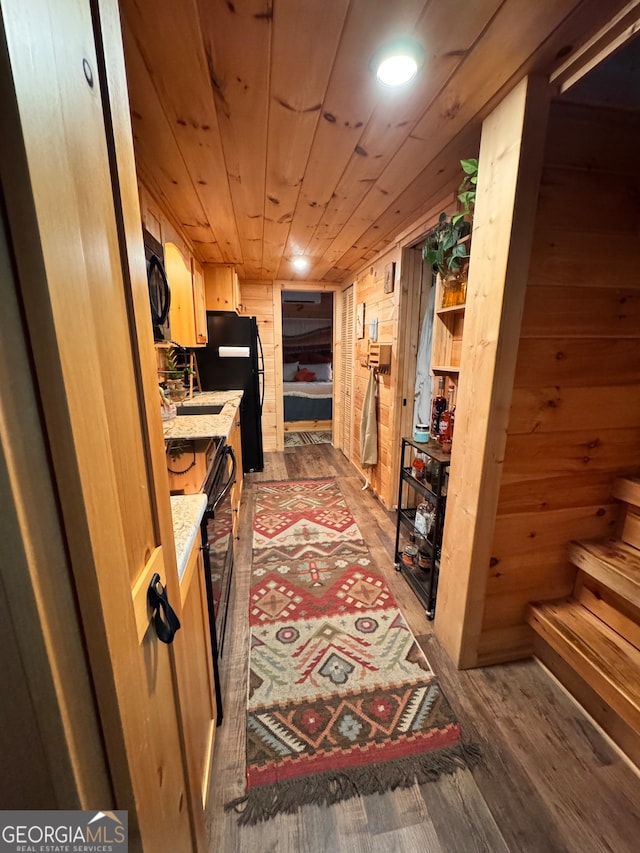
423, 581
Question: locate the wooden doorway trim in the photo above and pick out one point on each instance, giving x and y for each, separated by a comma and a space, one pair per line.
620, 29
66, 182
278, 288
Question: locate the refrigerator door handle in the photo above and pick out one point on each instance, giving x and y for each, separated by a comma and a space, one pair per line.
260, 368
260, 352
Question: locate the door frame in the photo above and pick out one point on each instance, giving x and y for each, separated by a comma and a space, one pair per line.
62, 374
278, 288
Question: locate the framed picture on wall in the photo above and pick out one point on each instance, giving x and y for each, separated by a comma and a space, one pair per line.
360, 320
389, 277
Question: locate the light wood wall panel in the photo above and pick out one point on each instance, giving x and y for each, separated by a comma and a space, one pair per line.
257, 301
369, 289
510, 164
574, 424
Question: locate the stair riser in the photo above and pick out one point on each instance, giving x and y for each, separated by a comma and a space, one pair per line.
618, 730
609, 607
577, 651
631, 528
611, 565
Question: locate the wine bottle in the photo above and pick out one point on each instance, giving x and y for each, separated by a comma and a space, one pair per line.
445, 426
438, 405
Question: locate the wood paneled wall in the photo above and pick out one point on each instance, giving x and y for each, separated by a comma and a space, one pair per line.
369, 290
258, 301
574, 423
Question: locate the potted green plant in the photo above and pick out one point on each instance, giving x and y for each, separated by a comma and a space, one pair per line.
446, 248
175, 375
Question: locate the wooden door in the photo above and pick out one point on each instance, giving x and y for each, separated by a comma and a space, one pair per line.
346, 371
69, 186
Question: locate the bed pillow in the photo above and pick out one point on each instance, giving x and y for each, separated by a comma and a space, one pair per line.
289, 371
322, 371
304, 375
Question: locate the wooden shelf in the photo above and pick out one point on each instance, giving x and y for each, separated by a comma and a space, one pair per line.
452, 309
445, 368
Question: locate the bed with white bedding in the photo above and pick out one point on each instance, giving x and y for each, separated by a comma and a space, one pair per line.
308, 401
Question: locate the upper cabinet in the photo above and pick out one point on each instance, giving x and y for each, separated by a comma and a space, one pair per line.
221, 287
199, 302
188, 313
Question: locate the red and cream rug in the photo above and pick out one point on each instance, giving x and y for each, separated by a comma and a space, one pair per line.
342, 701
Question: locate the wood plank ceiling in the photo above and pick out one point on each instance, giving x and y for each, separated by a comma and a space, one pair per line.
259, 125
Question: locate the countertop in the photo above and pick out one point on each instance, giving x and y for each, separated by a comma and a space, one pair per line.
187, 510
186, 513
205, 426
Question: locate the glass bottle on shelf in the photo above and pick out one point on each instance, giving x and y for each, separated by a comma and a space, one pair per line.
438, 405
418, 466
445, 424
428, 469
425, 516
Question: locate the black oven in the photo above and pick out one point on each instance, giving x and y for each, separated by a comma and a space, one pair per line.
217, 537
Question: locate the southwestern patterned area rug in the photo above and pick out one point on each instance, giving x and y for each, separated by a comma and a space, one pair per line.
342, 701
298, 439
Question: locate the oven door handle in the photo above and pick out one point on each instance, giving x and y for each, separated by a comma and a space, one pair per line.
224, 491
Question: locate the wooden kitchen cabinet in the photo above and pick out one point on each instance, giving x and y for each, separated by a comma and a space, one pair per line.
188, 463
177, 262
197, 694
188, 313
152, 217
199, 302
221, 287
235, 442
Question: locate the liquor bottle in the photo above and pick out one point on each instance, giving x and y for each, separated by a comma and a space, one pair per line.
417, 466
438, 405
447, 418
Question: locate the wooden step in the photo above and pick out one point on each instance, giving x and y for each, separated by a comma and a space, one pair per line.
603, 659
613, 563
627, 489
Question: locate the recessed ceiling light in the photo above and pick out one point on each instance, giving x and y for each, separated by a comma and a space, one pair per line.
299, 263
398, 61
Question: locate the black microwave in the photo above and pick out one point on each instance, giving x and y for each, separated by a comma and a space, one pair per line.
159, 290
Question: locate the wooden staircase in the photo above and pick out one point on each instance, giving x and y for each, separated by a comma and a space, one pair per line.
591, 641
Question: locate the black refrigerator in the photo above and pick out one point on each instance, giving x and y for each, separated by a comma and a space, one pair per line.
233, 360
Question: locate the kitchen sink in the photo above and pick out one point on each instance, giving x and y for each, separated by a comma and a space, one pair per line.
199, 410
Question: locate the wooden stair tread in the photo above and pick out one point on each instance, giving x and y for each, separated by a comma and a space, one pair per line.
613, 563
627, 489
605, 660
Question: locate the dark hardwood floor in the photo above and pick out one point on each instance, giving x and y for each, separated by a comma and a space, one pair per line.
549, 781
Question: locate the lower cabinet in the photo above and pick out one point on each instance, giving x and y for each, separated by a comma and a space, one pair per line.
197, 692
188, 464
